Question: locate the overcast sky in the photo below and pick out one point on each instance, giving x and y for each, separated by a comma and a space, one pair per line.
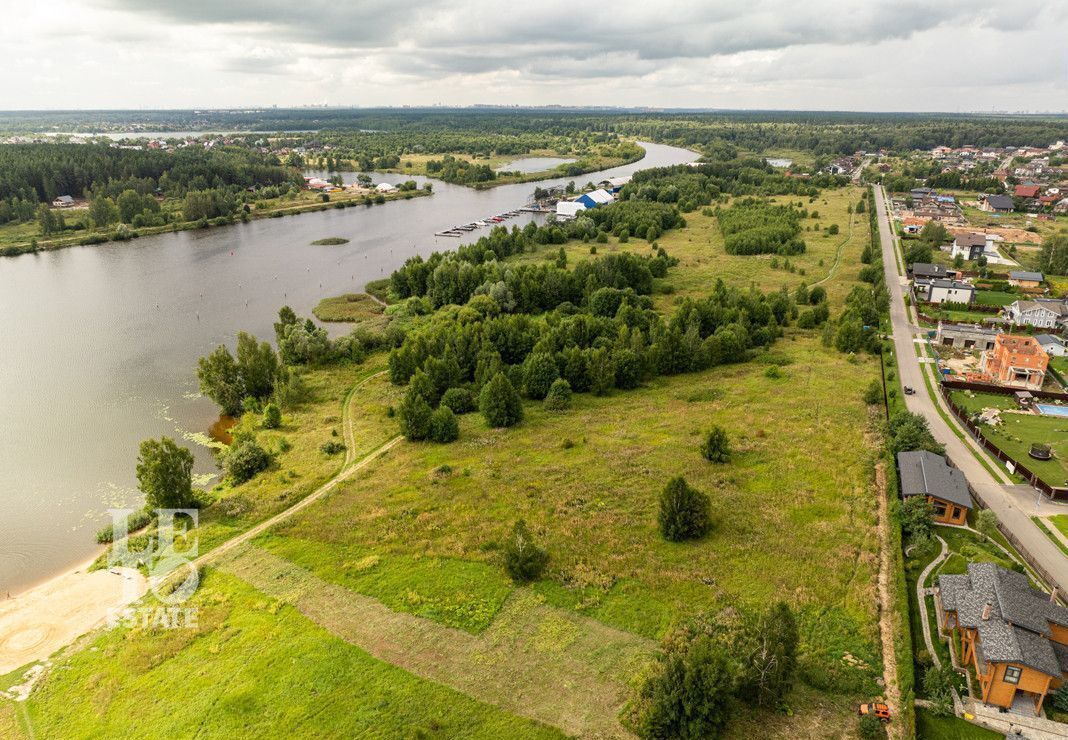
950, 55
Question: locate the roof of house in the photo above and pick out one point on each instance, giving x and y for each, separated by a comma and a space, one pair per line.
970, 239
924, 473
1027, 191
1017, 628
1000, 202
1026, 275
941, 283
1053, 306
1047, 339
926, 269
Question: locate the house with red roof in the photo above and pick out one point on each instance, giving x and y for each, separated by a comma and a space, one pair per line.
1027, 191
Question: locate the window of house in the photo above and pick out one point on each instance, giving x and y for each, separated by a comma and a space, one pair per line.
939, 508
1012, 674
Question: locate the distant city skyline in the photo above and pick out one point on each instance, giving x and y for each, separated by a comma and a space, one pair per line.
980, 56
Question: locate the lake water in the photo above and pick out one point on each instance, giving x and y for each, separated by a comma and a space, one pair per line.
98, 345
534, 164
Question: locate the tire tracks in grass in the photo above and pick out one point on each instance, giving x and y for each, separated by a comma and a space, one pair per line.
534, 660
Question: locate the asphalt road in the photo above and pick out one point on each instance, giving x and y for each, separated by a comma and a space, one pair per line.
1013, 507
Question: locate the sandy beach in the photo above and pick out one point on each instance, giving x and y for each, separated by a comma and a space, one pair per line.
39, 621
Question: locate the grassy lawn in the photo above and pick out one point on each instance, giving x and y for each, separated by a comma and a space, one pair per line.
254, 667
1060, 521
995, 297
1043, 524
931, 727
1018, 431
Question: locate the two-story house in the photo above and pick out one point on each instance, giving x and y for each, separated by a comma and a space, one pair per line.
1014, 635
1043, 313
943, 291
1016, 361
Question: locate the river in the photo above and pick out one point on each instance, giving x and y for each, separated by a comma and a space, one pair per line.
98, 345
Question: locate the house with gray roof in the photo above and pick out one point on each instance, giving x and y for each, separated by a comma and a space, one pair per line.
1015, 635
1052, 344
926, 474
1042, 313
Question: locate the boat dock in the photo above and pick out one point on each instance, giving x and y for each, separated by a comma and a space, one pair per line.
458, 231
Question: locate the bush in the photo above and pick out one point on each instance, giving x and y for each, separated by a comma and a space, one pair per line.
1059, 699
523, 559
716, 447
245, 459
458, 400
559, 396
499, 403
689, 697
272, 416
331, 447
684, 512
870, 728
874, 393
443, 425
135, 521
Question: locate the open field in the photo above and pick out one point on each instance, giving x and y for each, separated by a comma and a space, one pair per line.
253, 667
1018, 431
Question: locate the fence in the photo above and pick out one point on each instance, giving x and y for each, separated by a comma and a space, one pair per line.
1056, 493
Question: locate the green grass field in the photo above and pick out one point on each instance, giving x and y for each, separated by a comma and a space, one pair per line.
932, 727
995, 297
352, 307
1018, 431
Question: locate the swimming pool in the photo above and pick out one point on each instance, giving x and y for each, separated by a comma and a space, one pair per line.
1048, 409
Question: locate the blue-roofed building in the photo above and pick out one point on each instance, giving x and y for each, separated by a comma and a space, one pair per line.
595, 198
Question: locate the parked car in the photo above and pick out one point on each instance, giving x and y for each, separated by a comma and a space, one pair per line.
876, 709
909, 390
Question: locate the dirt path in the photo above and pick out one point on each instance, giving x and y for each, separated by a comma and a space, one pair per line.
534, 660
346, 413
886, 603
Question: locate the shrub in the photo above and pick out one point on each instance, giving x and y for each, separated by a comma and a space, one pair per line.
443, 425
689, 697
916, 514
716, 447
332, 447
1059, 699
559, 396
874, 393
245, 459
523, 559
272, 416
458, 400
499, 403
684, 511
135, 521
870, 728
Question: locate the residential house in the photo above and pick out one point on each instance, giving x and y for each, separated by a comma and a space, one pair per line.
926, 474
970, 244
927, 271
1061, 206
996, 204
966, 336
1042, 313
63, 201
1027, 191
1014, 635
1051, 344
912, 225
1025, 279
1016, 361
943, 291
